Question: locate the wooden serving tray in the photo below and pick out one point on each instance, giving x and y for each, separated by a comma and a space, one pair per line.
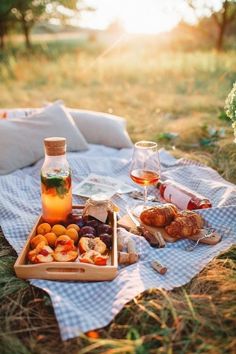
68, 270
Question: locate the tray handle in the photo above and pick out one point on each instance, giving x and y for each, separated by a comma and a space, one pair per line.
72, 270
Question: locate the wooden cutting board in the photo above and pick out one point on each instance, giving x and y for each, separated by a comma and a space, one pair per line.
129, 225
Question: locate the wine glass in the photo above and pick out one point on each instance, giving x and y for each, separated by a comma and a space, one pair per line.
145, 165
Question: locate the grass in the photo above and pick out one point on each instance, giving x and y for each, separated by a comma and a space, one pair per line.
159, 92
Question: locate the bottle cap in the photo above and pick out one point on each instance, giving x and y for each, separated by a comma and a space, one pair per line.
55, 146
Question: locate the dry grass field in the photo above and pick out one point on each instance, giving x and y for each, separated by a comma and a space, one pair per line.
160, 92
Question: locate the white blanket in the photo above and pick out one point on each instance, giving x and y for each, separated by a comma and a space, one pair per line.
80, 307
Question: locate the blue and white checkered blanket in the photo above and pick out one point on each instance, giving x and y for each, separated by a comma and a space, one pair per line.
80, 307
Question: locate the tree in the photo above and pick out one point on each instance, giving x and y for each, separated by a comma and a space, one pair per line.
222, 18
28, 12
5, 13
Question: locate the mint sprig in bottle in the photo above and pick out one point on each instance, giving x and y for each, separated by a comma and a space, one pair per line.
56, 190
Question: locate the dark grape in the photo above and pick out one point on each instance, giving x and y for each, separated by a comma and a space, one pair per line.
104, 229
107, 239
87, 230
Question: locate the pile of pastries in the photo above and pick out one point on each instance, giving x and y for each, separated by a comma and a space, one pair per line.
177, 224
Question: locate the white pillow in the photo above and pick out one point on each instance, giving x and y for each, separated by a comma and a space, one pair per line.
21, 139
102, 128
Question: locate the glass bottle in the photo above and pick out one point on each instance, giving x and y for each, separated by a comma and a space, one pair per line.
56, 190
182, 197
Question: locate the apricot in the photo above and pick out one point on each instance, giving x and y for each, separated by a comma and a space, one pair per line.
51, 237
64, 243
41, 254
45, 255
68, 256
32, 255
62, 240
99, 245
59, 229
43, 228
93, 257
73, 226
87, 244
73, 234
38, 239
40, 246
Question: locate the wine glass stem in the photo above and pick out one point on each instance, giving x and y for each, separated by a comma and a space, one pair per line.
145, 194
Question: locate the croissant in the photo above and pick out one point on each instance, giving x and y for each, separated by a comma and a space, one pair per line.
159, 216
186, 224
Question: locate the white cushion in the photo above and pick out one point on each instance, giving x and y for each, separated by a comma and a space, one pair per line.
102, 128
21, 139
17, 112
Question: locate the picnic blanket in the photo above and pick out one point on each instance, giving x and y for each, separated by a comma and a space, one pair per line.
80, 307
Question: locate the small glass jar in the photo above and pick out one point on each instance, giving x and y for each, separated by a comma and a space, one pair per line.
98, 206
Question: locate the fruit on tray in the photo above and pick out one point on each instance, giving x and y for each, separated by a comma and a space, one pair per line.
65, 250
73, 226
65, 256
104, 229
89, 235
37, 239
107, 239
41, 254
43, 228
76, 218
51, 238
73, 234
62, 243
93, 257
59, 229
93, 223
87, 230
86, 244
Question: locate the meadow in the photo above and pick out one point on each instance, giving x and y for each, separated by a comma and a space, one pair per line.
174, 97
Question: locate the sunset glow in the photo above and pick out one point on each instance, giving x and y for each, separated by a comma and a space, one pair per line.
139, 16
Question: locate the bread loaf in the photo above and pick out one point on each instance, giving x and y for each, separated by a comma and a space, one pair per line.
186, 224
159, 216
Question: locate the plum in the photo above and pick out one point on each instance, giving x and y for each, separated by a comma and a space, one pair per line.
80, 221
89, 235
104, 229
94, 223
87, 230
75, 218
107, 239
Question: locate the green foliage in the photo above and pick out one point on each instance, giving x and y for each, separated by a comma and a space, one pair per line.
230, 107
5, 7
29, 10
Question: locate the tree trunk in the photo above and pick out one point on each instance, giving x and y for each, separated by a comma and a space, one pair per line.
26, 30
222, 26
2, 35
220, 39
1, 41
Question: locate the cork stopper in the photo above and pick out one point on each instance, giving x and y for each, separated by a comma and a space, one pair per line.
55, 146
